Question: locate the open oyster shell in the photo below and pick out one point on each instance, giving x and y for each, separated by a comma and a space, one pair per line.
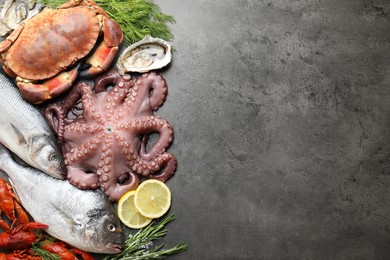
146, 55
14, 12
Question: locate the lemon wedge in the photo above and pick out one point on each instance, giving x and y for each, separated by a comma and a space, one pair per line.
128, 214
152, 198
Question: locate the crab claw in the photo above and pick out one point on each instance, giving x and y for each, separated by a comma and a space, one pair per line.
100, 61
37, 93
107, 51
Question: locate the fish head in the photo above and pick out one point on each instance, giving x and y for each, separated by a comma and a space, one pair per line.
88, 221
46, 156
102, 232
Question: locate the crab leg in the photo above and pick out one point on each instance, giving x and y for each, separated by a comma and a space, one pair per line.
106, 52
4, 45
101, 60
37, 93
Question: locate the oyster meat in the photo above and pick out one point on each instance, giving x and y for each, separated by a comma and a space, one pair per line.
14, 12
146, 55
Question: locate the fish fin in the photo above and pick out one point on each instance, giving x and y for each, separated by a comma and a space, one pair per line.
11, 183
21, 139
13, 189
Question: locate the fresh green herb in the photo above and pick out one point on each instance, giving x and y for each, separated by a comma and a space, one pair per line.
137, 246
38, 251
44, 254
139, 18
51, 3
136, 17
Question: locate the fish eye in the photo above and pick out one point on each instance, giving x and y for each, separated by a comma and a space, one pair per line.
54, 158
111, 227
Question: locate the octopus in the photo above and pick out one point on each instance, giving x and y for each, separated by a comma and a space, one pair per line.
104, 133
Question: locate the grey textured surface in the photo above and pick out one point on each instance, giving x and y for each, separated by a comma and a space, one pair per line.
282, 124
281, 117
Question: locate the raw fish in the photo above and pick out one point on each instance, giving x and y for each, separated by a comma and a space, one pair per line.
24, 131
82, 218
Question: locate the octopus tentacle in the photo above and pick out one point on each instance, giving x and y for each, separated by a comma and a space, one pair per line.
144, 127
115, 190
112, 179
72, 98
105, 164
168, 165
89, 103
165, 131
129, 152
111, 78
83, 150
116, 95
159, 93
112, 99
78, 127
114, 112
147, 94
162, 167
78, 177
55, 116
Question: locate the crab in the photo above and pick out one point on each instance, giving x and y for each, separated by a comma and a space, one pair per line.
45, 53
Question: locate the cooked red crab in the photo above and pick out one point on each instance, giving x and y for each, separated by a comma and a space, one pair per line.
41, 52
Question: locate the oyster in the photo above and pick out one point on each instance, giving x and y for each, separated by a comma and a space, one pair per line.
14, 12
148, 54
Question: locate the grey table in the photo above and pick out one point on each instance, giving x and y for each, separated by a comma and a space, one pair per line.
282, 123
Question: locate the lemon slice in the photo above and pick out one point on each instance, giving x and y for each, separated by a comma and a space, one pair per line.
128, 214
152, 198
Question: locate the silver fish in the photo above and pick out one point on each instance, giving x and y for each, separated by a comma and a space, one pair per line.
24, 131
82, 218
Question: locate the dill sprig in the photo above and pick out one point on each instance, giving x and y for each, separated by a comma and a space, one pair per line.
137, 246
136, 17
139, 18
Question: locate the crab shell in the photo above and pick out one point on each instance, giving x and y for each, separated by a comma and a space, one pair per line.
52, 41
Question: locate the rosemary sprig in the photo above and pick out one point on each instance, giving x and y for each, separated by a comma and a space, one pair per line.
156, 253
45, 254
136, 17
137, 245
38, 251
